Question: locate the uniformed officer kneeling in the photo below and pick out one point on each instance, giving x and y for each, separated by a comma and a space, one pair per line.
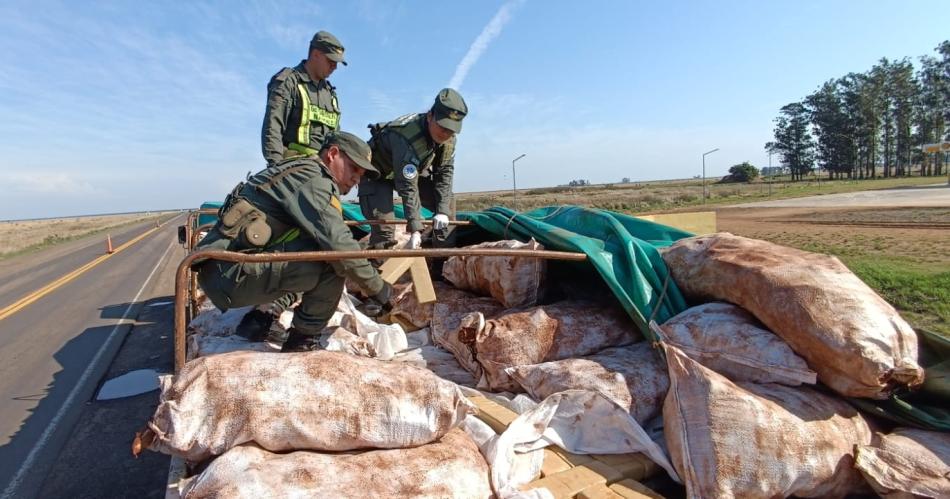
293, 206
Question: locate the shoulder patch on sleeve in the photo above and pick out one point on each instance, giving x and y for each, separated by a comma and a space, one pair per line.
335, 202
409, 171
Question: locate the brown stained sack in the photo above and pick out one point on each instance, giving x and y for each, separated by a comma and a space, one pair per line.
558, 331
452, 467
408, 309
908, 463
730, 341
324, 401
633, 376
513, 281
447, 315
854, 339
758, 441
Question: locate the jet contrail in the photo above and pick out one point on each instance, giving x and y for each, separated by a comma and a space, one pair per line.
489, 33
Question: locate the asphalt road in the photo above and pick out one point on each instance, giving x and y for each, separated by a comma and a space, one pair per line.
918, 197
57, 348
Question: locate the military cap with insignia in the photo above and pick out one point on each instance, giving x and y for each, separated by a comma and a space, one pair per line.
448, 109
325, 42
355, 148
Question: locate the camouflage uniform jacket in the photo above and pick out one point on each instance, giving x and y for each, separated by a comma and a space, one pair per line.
403, 152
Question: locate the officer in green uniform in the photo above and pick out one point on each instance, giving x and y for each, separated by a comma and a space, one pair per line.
302, 107
415, 155
293, 206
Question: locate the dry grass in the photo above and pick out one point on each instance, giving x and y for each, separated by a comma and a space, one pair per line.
18, 237
672, 195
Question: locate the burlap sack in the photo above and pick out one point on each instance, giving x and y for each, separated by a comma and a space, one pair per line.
513, 281
728, 340
315, 401
633, 376
452, 467
408, 309
855, 340
558, 331
758, 441
908, 463
446, 318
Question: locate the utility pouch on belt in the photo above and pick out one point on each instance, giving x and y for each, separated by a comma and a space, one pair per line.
244, 222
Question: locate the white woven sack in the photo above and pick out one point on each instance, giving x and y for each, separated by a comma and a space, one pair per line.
290, 401
453, 467
730, 341
758, 441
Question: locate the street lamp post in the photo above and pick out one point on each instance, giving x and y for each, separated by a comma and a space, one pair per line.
514, 183
704, 172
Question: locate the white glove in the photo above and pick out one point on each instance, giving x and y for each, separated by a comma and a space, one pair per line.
415, 241
440, 221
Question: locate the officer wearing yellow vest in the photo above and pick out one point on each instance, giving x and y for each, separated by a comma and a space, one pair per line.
293, 206
415, 155
302, 107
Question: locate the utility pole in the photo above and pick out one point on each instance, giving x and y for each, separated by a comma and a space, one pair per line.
704, 172
771, 172
514, 183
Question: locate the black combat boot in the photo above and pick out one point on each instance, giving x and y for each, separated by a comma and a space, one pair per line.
298, 342
255, 325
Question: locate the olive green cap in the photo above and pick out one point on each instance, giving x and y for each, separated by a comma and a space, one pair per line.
325, 42
449, 109
355, 148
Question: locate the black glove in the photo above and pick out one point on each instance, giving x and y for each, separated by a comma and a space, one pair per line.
380, 302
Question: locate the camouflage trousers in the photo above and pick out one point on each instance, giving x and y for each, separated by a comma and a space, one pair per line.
231, 285
376, 202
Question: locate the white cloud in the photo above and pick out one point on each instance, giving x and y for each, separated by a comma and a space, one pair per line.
478, 47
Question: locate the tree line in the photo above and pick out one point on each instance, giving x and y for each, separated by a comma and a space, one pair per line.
851, 125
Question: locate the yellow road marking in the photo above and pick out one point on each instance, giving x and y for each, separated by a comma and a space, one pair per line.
39, 293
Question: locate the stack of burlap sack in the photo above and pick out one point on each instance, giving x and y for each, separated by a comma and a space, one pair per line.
729, 384
313, 424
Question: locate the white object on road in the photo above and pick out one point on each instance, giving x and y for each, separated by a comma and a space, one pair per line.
129, 384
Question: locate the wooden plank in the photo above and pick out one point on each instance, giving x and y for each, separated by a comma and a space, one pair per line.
598, 492
635, 465
632, 489
698, 222
422, 281
577, 479
553, 463
496, 416
391, 270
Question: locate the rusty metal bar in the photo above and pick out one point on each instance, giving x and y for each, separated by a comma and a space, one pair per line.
181, 276
400, 221
193, 239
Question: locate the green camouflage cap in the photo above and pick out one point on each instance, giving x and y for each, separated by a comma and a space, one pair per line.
449, 109
325, 42
355, 148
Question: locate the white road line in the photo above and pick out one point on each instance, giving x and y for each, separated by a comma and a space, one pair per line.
44, 438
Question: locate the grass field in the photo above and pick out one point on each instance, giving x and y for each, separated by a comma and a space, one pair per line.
19, 237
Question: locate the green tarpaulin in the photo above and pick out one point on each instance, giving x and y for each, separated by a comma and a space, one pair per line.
620, 248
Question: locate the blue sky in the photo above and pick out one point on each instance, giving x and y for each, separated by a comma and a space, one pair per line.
126, 106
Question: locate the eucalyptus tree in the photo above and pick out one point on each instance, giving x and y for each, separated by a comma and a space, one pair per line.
793, 139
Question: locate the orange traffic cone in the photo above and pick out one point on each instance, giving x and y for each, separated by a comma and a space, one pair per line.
109, 249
